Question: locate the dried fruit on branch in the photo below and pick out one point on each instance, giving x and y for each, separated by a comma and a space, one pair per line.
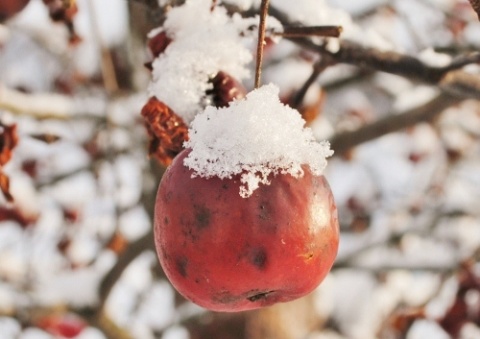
460, 312
16, 215
166, 130
64, 11
8, 141
158, 43
225, 89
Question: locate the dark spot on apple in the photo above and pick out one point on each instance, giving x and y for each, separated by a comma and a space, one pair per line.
202, 216
164, 252
259, 258
264, 212
182, 264
225, 297
168, 197
165, 220
225, 186
259, 296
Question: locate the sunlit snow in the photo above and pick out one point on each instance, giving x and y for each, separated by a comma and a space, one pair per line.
254, 137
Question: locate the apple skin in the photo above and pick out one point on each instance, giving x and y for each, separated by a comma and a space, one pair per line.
9, 8
227, 253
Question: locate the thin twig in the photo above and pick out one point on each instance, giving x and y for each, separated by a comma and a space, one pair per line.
108, 69
462, 84
463, 60
133, 251
393, 122
318, 68
393, 62
306, 31
403, 65
261, 41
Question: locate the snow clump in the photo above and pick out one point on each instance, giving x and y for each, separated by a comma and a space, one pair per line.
254, 138
204, 42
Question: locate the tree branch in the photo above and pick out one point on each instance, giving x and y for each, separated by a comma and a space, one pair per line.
318, 68
133, 251
49, 105
476, 6
461, 84
135, 248
152, 4
342, 142
399, 64
466, 84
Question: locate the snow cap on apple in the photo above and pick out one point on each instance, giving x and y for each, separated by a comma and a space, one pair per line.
254, 138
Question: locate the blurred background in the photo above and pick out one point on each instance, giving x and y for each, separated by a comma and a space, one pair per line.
400, 106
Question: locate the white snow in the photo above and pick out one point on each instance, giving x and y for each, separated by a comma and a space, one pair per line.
176, 332
204, 43
90, 333
34, 333
426, 329
241, 4
472, 34
434, 59
9, 328
134, 223
254, 137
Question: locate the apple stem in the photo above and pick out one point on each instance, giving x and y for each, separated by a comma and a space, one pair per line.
261, 41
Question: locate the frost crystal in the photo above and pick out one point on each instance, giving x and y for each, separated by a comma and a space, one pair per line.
253, 137
204, 42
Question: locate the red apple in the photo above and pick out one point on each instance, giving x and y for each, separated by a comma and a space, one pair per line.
9, 8
64, 325
228, 253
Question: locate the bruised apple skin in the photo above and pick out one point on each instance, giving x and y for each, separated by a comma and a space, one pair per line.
227, 253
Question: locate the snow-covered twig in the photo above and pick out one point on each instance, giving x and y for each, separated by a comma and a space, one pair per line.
462, 84
342, 142
397, 63
318, 68
133, 251
40, 106
49, 105
108, 69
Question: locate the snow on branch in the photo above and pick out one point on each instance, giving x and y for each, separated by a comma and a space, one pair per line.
47, 105
403, 65
342, 142
388, 61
